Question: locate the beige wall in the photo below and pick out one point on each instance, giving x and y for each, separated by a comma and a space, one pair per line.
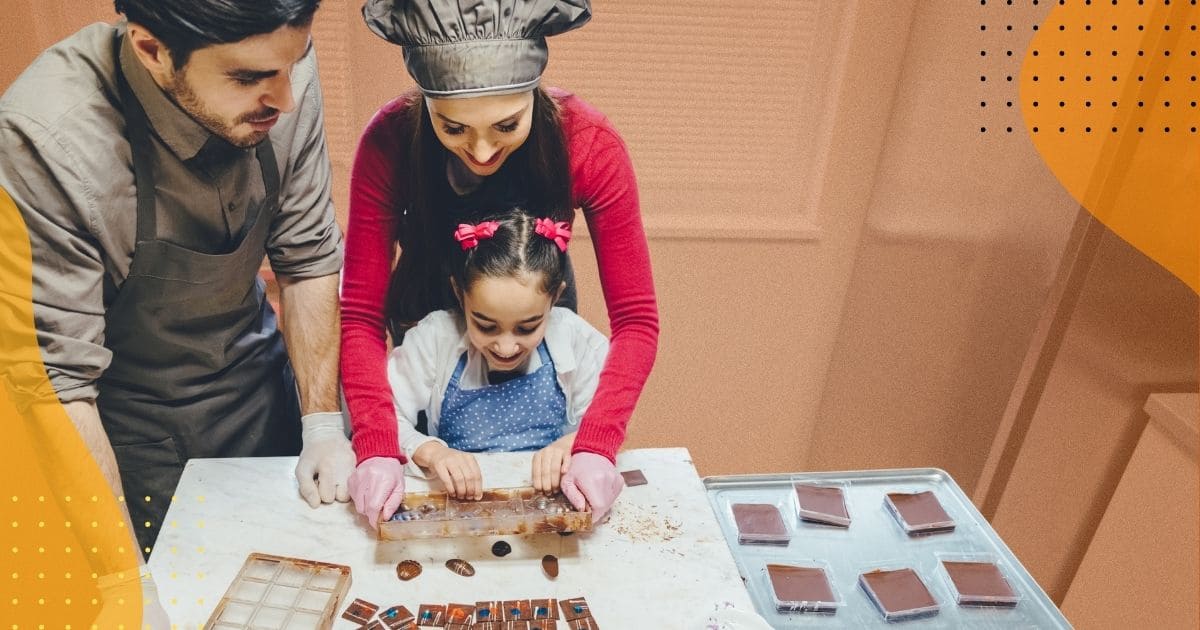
850, 274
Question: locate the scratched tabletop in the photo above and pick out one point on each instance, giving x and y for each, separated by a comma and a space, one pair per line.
659, 562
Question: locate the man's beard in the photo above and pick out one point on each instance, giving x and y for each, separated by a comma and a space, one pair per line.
183, 95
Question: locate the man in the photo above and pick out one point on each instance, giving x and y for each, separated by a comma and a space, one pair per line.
155, 162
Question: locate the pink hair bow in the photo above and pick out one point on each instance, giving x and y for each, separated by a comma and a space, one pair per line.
559, 232
469, 235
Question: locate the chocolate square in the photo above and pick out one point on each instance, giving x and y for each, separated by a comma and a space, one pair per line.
517, 610
898, 594
634, 477
801, 589
543, 624
515, 625
488, 612
360, 611
375, 625
980, 584
583, 623
760, 524
398, 618
431, 615
919, 513
488, 625
459, 613
822, 504
458, 626
574, 608
544, 608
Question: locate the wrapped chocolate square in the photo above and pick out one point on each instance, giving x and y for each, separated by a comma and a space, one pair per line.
898, 594
919, 513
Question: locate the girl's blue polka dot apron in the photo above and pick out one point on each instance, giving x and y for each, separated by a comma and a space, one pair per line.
523, 414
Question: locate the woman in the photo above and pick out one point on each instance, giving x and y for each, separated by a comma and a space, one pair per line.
479, 136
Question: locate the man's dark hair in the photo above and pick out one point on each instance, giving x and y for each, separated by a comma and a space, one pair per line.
186, 26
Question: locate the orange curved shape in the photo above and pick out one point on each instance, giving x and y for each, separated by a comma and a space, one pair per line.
63, 528
1109, 94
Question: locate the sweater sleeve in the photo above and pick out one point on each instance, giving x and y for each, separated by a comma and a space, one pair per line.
374, 193
606, 188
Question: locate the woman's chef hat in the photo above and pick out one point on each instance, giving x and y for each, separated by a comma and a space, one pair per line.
462, 48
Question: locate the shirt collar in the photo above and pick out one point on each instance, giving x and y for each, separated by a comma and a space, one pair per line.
179, 131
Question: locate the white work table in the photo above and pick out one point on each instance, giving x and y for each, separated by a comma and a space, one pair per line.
659, 562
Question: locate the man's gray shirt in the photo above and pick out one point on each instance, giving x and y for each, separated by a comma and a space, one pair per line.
66, 163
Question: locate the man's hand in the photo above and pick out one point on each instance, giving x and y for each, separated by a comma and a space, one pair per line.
326, 459
377, 487
550, 463
592, 480
119, 593
458, 471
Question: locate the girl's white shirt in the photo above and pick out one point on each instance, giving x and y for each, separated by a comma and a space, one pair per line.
419, 370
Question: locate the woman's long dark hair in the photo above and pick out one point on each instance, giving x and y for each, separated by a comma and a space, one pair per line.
424, 230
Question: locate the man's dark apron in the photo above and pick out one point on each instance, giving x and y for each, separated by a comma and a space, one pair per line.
199, 368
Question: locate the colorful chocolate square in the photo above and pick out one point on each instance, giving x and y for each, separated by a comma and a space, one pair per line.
517, 610
360, 611
431, 615
544, 608
574, 608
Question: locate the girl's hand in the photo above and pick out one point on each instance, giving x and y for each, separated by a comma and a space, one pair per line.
551, 463
458, 471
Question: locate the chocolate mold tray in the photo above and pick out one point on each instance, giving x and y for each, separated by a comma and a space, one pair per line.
501, 511
874, 540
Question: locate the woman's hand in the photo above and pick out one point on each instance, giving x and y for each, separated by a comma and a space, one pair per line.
458, 471
377, 487
550, 463
592, 480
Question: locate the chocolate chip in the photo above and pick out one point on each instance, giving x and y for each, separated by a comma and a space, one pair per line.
501, 549
550, 565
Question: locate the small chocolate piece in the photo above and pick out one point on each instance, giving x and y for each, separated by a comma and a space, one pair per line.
408, 569
544, 608
759, 524
980, 584
634, 477
501, 549
431, 615
583, 623
360, 611
550, 565
486, 612
459, 613
461, 567
801, 589
822, 504
898, 594
919, 513
517, 610
574, 608
398, 618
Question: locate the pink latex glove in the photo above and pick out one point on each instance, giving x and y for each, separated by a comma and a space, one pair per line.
377, 487
592, 480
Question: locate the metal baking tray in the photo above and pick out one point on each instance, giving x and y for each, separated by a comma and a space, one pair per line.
873, 540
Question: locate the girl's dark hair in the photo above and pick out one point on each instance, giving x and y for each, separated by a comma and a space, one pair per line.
514, 250
186, 26
424, 228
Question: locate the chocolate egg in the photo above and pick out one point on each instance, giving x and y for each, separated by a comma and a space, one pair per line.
408, 570
550, 565
461, 567
501, 549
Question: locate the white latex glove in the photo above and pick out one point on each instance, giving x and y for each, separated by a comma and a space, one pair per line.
326, 459
119, 592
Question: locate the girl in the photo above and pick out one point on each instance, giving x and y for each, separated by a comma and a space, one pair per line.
503, 371
482, 133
